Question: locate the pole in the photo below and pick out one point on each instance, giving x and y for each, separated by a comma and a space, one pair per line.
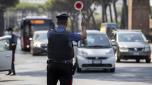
80, 20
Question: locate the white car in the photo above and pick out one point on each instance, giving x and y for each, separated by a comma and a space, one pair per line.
39, 42
95, 53
5, 53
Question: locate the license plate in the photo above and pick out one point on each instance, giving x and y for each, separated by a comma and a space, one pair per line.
136, 53
45, 49
96, 62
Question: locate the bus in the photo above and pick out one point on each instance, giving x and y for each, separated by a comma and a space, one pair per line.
29, 25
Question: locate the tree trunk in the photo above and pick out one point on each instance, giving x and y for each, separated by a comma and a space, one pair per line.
124, 17
1, 21
104, 16
93, 19
94, 22
111, 18
74, 22
115, 11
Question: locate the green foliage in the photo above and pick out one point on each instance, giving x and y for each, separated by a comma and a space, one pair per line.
66, 5
27, 6
48, 4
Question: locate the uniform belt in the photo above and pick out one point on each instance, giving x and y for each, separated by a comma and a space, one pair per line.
57, 61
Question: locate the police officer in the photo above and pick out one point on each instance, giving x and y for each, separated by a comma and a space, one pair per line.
60, 52
13, 44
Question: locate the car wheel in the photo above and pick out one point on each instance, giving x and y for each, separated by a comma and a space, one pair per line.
117, 56
112, 70
148, 60
137, 60
22, 49
32, 52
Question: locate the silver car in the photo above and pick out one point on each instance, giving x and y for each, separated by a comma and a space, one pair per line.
132, 45
5, 53
95, 53
39, 42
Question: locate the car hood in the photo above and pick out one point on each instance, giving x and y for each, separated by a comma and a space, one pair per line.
43, 41
132, 44
97, 52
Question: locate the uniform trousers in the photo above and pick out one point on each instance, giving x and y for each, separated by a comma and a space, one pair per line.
13, 60
59, 72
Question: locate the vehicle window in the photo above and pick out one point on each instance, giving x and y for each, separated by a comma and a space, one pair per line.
41, 36
3, 46
27, 30
40, 27
96, 40
130, 37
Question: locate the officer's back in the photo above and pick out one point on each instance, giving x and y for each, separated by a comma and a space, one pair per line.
60, 52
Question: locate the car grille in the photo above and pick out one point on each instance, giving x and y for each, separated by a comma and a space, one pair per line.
94, 58
45, 45
136, 49
96, 65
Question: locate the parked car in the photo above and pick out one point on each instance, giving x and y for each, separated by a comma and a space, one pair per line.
39, 42
5, 53
132, 44
95, 53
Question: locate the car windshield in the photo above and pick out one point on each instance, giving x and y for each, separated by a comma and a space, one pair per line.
130, 37
97, 41
40, 36
40, 27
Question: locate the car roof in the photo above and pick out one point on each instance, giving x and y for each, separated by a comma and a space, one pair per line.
35, 17
5, 36
88, 31
94, 31
128, 31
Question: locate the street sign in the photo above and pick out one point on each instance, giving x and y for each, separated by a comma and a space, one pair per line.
78, 5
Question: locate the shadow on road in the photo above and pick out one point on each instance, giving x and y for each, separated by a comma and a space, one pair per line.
40, 73
9, 80
127, 74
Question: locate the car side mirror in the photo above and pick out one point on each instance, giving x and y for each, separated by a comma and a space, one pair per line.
114, 43
75, 43
7, 46
148, 41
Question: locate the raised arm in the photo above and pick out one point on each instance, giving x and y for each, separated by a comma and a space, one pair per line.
83, 31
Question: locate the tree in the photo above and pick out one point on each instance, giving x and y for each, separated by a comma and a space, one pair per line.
68, 6
105, 4
26, 8
115, 10
3, 5
124, 16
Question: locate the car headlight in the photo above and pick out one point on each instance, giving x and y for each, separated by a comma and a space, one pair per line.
147, 49
123, 49
81, 53
37, 44
110, 52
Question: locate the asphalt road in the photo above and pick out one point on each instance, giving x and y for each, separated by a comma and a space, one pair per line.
31, 70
